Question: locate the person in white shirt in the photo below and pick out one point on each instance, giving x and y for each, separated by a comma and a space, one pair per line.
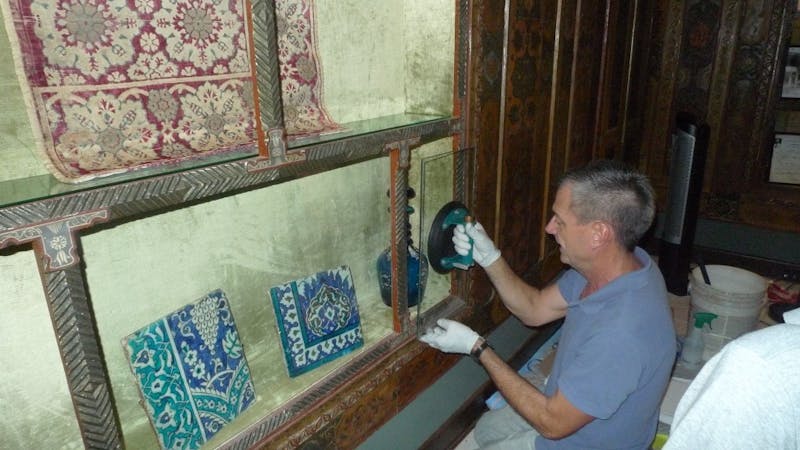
745, 397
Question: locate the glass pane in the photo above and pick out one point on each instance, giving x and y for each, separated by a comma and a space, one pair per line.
432, 174
244, 245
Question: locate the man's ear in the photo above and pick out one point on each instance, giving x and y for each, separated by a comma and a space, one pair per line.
602, 233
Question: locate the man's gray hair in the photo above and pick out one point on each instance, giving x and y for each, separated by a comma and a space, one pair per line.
608, 191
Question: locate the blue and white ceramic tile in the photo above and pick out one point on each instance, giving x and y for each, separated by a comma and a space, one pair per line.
318, 319
191, 371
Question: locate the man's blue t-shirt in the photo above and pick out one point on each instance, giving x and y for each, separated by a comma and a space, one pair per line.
614, 358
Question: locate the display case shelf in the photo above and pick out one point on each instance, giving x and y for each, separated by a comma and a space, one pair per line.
41, 199
357, 140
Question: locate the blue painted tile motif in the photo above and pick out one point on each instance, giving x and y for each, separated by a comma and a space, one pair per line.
191, 371
318, 319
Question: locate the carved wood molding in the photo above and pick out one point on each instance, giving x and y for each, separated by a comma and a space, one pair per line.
269, 107
462, 61
79, 345
345, 401
718, 89
663, 76
400, 160
271, 430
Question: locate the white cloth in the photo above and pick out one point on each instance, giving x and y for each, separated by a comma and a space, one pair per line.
747, 396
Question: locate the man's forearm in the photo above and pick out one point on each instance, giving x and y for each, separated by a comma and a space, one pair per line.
553, 418
519, 297
528, 401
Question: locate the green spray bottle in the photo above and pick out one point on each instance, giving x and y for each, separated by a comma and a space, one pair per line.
693, 346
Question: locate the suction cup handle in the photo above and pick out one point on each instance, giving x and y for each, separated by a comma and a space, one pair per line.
441, 251
463, 262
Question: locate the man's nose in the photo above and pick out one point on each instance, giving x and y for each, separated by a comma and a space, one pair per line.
549, 228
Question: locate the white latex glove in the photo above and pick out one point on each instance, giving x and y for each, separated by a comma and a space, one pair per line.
483, 250
450, 336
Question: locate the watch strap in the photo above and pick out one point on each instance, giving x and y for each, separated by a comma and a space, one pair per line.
476, 351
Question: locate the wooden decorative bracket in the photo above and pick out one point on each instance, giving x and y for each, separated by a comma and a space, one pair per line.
54, 240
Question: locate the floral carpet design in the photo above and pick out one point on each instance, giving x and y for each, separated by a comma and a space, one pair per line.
191, 372
117, 85
317, 318
304, 110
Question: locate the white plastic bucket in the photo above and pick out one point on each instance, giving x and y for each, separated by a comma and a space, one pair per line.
735, 295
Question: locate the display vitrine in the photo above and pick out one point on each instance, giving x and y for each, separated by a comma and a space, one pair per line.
120, 250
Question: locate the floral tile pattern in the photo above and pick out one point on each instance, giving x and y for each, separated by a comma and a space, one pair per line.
317, 318
118, 85
191, 371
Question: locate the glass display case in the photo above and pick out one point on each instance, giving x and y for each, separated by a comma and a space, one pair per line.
118, 252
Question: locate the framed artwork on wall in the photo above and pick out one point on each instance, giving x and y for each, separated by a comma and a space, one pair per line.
791, 74
785, 164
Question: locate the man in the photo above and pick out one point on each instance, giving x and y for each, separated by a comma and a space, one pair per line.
617, 344
746, 396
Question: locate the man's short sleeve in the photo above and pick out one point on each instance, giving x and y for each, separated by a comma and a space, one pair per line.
570, 285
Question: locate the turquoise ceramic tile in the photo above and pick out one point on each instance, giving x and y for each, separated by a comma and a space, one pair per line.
191, 371
317, 318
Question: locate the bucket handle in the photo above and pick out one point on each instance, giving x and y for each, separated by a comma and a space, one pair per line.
699, 259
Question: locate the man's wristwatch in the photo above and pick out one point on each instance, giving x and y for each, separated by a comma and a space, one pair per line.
478, 348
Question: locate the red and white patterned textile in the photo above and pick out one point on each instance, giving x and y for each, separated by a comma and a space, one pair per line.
304, 111
118, 85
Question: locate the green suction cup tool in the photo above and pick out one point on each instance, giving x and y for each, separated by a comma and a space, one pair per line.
441, 254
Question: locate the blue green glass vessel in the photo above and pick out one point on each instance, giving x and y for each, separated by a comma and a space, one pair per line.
417, 275
416, 264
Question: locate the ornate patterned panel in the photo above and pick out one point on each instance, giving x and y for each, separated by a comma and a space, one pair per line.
191, 372
56, 239
486, 74
698, 50
115, 86
740, 154
729, 54
662, 79
318, 319
526, 127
